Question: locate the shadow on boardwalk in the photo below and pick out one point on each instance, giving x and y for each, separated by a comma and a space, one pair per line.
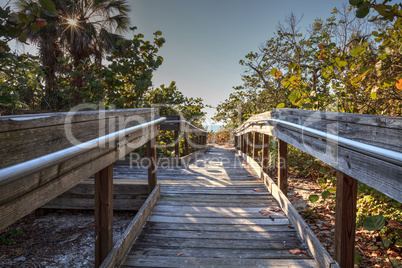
208, 215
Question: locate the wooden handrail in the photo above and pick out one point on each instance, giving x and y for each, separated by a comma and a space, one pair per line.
344, 141
18, 171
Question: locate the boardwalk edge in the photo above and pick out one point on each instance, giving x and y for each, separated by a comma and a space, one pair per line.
122, 247
305, 233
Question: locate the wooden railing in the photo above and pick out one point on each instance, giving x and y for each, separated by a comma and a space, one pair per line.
363, 148
44, 155
180, 127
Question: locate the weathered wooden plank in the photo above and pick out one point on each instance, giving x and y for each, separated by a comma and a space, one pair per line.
217, 204
262, 236
345, 219
122, 247
185, 261
223, 253
216, 191
217, 243
213, 197
228, 199
245, 221
304, 231
191, 209
103, 213
217, 227
240, 215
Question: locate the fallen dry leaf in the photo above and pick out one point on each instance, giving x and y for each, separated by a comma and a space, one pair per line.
264, 212
327, 224
295, 251
393, 224
181, 253
257, 190
305, 253
290, 225
276, 209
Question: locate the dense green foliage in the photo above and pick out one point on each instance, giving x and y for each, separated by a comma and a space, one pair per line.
340, 64
350, 63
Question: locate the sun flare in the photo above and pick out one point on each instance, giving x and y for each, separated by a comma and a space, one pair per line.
72, 22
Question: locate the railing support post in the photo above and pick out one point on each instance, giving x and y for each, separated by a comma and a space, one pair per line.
151, 154
186, 151
345, 219
255, 145
265, 153
103, 214
283, 166
176, 144
193, 143
249, 137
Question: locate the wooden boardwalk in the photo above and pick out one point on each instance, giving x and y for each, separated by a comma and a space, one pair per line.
208, 215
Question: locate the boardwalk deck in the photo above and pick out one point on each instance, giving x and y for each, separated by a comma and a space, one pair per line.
208, 215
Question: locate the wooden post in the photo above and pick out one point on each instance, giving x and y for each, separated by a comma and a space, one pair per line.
151, 154
176, 144
255, 145
283, 166
265, 153
244, 143
186, 151
249, 143
345, 219
193, 144
103, 214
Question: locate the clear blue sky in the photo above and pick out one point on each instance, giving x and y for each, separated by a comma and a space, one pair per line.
205, 39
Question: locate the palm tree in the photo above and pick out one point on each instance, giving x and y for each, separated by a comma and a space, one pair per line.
90, 28
83, 29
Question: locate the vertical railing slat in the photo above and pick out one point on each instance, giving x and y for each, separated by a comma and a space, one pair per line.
283, 166
256, 145
151, 154
265, 153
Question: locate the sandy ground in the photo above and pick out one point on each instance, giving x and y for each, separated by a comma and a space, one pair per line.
60, 239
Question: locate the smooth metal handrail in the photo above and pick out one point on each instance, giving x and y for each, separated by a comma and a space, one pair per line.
18, 171
187, 123
370, 150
